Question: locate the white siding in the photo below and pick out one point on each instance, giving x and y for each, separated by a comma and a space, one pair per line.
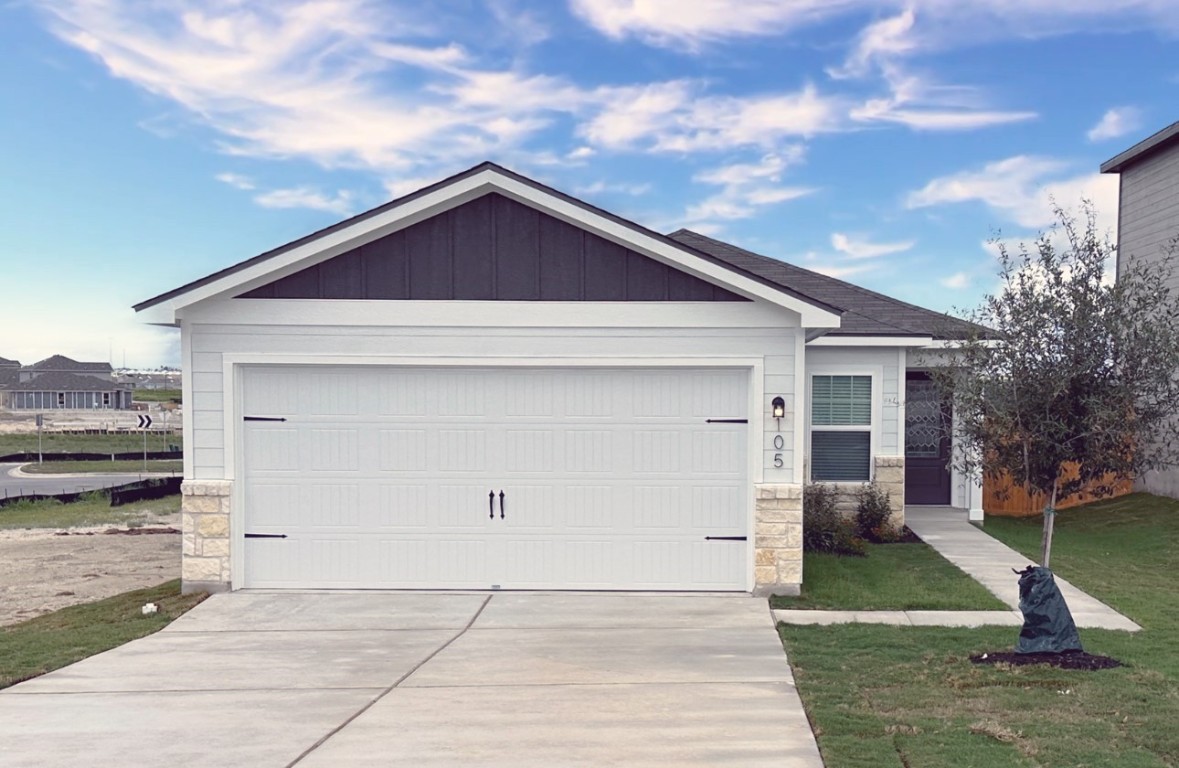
771, 347
882, 361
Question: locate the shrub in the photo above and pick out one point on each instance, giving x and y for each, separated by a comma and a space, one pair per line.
874, 515
823, 528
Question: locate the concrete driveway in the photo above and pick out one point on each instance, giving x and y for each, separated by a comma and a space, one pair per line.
374, 679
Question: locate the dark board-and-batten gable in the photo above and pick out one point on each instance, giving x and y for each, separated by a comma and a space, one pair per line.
492, 249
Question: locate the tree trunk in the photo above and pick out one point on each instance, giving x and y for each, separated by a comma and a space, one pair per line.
1049, 523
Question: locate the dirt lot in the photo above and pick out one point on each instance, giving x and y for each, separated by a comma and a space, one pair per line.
41, 571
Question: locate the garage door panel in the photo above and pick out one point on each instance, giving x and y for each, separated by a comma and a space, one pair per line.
270, 449
588, 507
332, 450
462, 450
528, 451
402, 450
588, 451
610, 479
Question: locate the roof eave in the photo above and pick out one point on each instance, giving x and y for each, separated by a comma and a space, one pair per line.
1151, 144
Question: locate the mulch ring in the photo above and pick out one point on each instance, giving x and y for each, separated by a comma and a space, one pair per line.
1070, 660
119, 532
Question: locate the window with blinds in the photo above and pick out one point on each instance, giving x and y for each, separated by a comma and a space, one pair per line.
841, 428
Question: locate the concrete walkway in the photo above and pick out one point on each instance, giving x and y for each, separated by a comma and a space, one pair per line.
990, 562
373, 679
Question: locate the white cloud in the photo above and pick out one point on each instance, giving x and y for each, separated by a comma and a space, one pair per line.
677, 117
865, 249
306, 197
885, 39
676, 22
746, 187
602, 187
680, 23
957, 281
1021, 190
921, 104
235, 180
1116, 122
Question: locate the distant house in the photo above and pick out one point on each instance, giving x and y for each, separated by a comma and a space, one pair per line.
1148, 222
60, 383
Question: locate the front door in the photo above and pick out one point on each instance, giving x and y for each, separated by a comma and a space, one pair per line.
927, 441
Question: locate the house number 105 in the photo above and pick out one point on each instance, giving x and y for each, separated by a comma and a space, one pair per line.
779, 444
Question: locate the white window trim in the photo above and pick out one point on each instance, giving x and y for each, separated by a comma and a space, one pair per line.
877, 374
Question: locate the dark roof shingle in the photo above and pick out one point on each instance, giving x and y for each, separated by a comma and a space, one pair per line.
866, 313
61, 381
63, 363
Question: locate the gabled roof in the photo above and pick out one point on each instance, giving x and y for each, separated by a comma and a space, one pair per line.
6, 363
63, 363
61, 381
866, 313
481, 179
1167, 137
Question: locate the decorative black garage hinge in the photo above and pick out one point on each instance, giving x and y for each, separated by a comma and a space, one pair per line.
724, 538
263, 418
726, 421
266, 535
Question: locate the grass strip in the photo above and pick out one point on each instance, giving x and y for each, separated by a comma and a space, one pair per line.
63, 637
93, 509
100, 467
893, 577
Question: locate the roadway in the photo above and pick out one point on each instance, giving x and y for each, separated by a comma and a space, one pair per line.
14, 484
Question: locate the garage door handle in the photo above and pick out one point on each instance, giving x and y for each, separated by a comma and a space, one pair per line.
491, 504
501, 505
726, 538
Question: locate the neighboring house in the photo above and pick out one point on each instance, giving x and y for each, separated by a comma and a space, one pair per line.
1148, 222
8, 365
59, 383
491, 384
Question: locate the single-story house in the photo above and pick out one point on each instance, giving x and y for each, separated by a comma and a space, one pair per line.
60, 383
491, 384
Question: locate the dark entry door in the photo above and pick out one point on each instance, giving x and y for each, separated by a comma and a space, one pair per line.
927, 442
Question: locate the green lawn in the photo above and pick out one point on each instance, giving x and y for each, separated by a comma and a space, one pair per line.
908, 696
100, 467
156, 395
56, 442
93, 509
896, 577
54, 640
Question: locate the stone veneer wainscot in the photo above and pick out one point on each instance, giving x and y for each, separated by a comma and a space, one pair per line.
204, 517
777, 543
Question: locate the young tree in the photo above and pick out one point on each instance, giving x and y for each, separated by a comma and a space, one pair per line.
1074, 369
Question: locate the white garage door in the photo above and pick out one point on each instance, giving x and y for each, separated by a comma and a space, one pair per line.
495, 478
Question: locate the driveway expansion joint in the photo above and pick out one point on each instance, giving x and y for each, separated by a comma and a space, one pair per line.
324, 739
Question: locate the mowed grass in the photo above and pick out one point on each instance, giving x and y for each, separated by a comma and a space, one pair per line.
92, 510
57, 442
909, 696
156, 395
100, 467
893, 577
54, 640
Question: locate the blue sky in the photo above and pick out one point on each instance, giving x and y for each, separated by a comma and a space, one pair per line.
147, 144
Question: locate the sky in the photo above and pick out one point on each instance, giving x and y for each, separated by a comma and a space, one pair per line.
147, 143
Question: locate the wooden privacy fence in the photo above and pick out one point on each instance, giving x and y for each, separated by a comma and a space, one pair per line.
1002, 498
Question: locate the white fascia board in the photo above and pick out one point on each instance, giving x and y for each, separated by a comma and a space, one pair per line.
954, 343
812, 316
872, 341
484, 314
457, 193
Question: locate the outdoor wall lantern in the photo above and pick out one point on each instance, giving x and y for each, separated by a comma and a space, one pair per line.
779, 406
